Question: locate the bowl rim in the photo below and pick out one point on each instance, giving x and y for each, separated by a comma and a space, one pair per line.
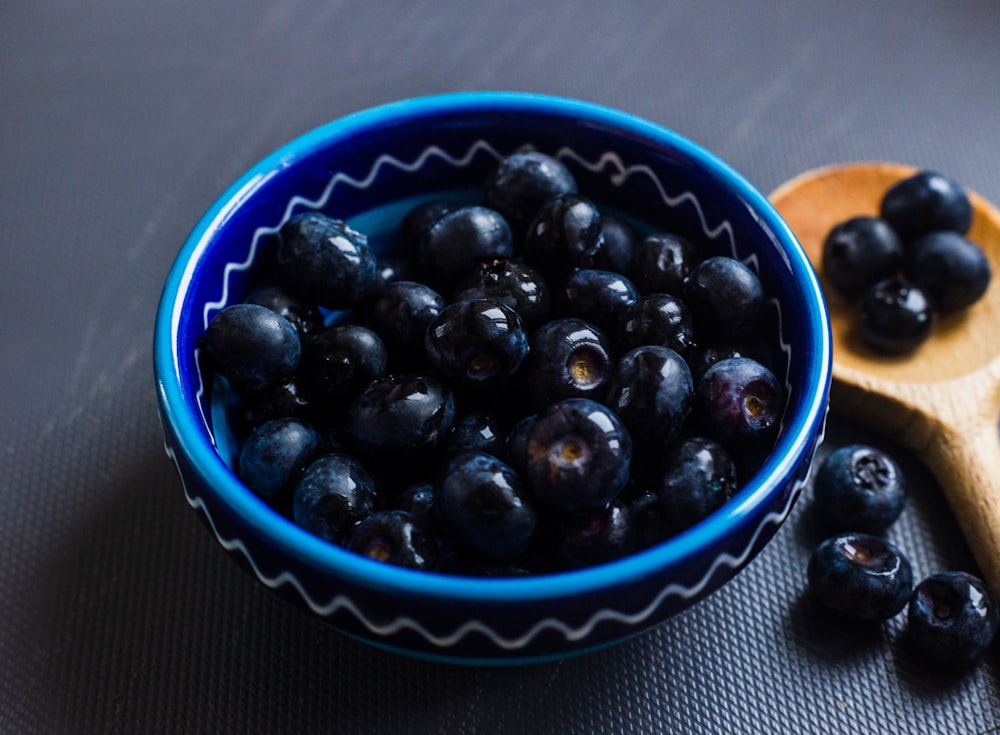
795, 441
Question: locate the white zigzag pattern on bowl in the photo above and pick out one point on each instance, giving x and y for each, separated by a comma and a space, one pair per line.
342, 602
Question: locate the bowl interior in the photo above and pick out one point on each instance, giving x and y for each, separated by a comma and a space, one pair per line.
372, 167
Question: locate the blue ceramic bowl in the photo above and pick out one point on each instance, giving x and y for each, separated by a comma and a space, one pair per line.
371, 167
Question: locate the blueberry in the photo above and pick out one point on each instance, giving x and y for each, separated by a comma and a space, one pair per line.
394, 537
702, 357
274, 455
568, 357
860, 576
565, 234
725, 297
334, 493
476, 431
392, 267
657, 319
252, 346
401, 415
926, 202
598, 296
652, 392
661, 263
514, 284
485, 503
595, 536
306, 318
515, 452
522, 183
415, 225
952, 271
288, 399
578, 455
343, 359
952, 618
860, 251
325, 261
400, 314
895, 317
462, 238
739, 403
417, 499
699, 477
858, 488
476, 344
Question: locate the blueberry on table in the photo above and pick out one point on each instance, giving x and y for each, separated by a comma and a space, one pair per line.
476, 344
394, 537
334, 493
595, 536
896, 317
860, 251
325, 261
858, 488
725, 296
860, 576
652, 392
698, 478
400, 313
485, 503
567, 358
513, 284
522, 183
952, 618
251, 346
343, 359
620, 239
401, 416
661, 263
462, 238
599, 296
578, 455
565, 234
275, 454
306, 318
952, 271
926, 202
739, 401
657, 319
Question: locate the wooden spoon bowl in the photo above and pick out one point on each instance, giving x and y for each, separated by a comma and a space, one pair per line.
943, 400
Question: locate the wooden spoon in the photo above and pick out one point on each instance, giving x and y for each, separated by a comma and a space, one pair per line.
942, 401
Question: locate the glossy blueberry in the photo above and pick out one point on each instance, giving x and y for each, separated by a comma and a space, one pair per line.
565, 234
699, 477
578, 455
476, 344
739, 402
275, 454
568, 357
394, 537
401, 415
343, 359
926, 202
952, 618
252, 346
334, 493
657, 319
476, 431
620, 239
522, 183
515, 452
287, 399
514, 284
858, 488
661, 263
896, 317
400, 314
485, 503
462, 238
652, 392
595, 536
860, 576
952, 271
306, 318
725, 297
415, 225
325, 261
598, 296
703, 356
860, 251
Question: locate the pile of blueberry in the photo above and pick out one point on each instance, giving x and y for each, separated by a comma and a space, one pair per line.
858, 493
909, 264
517, 386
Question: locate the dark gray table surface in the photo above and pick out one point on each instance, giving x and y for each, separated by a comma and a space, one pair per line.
122, 121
